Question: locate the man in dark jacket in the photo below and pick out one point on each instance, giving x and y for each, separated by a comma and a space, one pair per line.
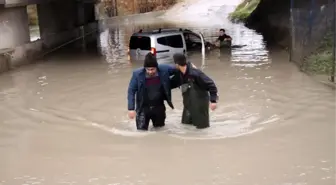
196, 87
223, 38
148, 88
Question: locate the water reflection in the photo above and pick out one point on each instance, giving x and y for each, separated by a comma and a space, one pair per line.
114, 42
113, 49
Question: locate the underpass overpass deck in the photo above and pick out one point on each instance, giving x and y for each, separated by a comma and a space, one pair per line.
14, 3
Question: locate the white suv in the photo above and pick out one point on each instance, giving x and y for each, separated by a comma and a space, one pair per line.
163, 43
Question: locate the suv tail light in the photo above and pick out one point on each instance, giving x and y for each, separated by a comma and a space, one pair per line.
153, 51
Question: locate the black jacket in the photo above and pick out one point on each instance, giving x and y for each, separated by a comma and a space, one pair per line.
201, 79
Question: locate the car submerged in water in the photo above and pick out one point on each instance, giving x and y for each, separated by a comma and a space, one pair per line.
164, 43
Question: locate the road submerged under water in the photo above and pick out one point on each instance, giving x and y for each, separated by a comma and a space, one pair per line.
64, 120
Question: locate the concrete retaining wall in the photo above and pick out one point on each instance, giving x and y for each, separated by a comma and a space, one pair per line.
20, 55
69, 36
14, 30
27, 53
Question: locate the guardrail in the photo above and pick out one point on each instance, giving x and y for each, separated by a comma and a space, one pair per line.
79, 33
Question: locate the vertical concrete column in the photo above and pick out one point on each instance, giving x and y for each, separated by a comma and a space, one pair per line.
14, 29
89, 12
48, 22
85, 13
57, 22
56, 17
80, 14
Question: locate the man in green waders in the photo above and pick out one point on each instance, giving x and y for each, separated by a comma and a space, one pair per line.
196, 87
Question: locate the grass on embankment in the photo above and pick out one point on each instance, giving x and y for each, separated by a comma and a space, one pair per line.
243, 10
321, 62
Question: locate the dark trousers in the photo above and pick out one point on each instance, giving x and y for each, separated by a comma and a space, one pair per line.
155, 113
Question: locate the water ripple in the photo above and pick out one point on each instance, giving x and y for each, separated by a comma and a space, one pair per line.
223, 125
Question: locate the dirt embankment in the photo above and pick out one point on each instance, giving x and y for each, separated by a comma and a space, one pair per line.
312, 40
271, 17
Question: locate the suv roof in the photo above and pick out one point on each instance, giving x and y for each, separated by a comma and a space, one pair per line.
160, 31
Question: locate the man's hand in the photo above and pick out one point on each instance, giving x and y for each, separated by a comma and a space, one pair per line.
131, 114
213, 106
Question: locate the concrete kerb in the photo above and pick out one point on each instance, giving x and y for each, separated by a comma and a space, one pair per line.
329, 84
324, 79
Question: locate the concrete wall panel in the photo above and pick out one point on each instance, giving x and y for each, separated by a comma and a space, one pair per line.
13, 27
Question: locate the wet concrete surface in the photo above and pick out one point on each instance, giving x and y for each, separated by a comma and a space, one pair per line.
64, 121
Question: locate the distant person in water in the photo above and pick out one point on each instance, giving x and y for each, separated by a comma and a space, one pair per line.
223, 39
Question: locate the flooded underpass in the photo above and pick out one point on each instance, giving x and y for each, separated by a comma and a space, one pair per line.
64, 120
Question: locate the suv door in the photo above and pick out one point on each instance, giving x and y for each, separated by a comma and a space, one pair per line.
139, 47
203, 45
193, 41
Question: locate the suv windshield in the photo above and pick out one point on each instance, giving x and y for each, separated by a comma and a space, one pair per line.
141, 42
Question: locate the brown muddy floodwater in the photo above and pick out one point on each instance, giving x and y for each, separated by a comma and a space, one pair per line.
64, 121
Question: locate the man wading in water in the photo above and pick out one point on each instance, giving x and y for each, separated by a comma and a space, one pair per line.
223, 39
196, 87
151, 86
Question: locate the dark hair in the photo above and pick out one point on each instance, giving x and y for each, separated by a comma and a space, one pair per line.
222, 30
150, 60
180, 59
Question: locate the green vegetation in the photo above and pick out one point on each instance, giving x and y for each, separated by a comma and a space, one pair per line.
243, 10
321, 62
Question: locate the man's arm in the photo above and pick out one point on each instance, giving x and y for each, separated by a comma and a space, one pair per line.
228, 37
174, 75
209, 85
132, 90
172, 69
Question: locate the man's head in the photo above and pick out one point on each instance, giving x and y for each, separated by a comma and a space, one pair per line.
150, 64
180, 61
222, 32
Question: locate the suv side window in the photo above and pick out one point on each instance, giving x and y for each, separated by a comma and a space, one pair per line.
162, 41
174, 41
192, 37
144, 43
